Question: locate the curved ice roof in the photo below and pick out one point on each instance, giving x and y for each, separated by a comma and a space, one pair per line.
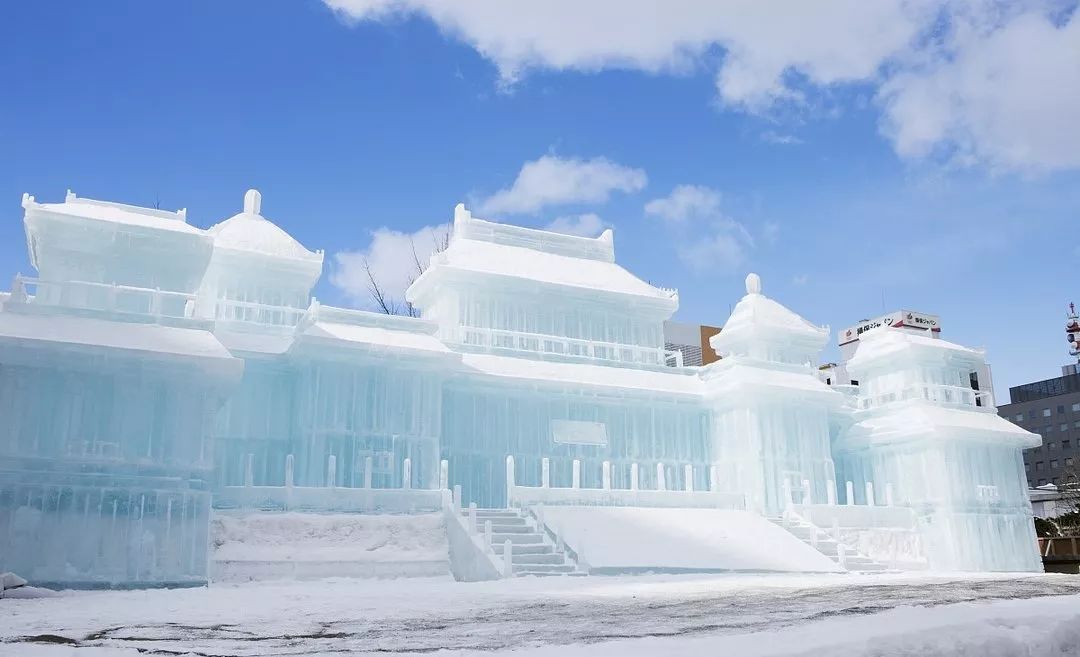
250, 231
888, 341
489, 248
758, 315
115, 213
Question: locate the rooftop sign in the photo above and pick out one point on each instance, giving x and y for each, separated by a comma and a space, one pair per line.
897, 319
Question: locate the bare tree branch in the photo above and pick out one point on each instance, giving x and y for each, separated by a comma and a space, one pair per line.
390, 306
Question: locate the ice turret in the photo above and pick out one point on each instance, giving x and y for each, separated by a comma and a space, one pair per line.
770, 432
924, 430
258, 274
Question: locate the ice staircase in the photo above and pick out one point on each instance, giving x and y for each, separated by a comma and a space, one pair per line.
532, 552
826, 544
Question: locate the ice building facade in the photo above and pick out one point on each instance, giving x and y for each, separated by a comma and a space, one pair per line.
152, 367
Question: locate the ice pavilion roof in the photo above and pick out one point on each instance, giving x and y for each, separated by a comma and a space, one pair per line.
373, 332
887, 342
918, 418
665, 381
251, 232
756, 315
115, 213
493, 249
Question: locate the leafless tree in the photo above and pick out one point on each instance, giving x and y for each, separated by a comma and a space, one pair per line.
379, 296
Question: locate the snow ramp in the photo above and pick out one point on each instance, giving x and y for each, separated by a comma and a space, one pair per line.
261, 545
610, 540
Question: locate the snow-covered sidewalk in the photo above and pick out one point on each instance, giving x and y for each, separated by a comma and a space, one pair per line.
654, 615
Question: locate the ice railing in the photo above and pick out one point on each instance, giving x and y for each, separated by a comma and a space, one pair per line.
877, 509
249, 312
606, 495
573, 347
937, 393
150, 304
331, 497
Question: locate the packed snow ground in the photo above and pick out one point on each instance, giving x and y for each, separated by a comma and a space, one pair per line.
655, 615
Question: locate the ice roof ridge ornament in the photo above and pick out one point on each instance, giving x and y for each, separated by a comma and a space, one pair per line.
253, 203
753, 283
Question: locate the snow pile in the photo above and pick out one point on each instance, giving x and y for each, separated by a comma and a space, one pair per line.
627, 539
270, 545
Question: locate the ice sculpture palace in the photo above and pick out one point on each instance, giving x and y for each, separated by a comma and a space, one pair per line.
153, 370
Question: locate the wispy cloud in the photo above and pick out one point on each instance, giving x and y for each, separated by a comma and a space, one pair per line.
552, 181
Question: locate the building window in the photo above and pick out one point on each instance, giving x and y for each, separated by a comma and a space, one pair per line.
1046, 412
1076, 408
1019, 417
1038, 466
1076, 425
1065, 444
1053, 465
1051, 446
1068, 462
1048, 428
1063, 427
1061, 409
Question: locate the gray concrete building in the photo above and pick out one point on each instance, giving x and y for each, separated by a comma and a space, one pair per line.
1050, 408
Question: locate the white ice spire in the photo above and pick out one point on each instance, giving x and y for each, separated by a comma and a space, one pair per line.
753, 283
252, 202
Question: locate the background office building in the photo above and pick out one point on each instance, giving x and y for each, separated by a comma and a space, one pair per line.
692, 340
1050, 408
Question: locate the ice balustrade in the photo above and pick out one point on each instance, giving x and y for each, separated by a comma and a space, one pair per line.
251, 312
937, 393
331, 497
152, 304
554, 344
149, 303
634, 495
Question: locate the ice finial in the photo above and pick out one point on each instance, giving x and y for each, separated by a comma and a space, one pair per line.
753, 283
252, 202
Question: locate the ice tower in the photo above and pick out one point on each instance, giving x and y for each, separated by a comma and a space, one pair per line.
770, 413
563, 358
108, 389
943, 450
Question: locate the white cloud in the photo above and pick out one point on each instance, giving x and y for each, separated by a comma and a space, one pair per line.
685, 202
707, 239
987, 82
1005, 95
552, 180
390, 257
773, 137
827, 41
584, 225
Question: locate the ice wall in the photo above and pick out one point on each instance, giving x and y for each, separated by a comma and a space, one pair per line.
105, 472
482, 425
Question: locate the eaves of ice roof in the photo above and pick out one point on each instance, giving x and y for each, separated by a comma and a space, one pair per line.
918, 419
544, 372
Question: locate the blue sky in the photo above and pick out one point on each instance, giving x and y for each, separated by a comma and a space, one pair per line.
902, 155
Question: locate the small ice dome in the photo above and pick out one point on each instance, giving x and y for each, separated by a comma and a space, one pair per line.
753, 283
